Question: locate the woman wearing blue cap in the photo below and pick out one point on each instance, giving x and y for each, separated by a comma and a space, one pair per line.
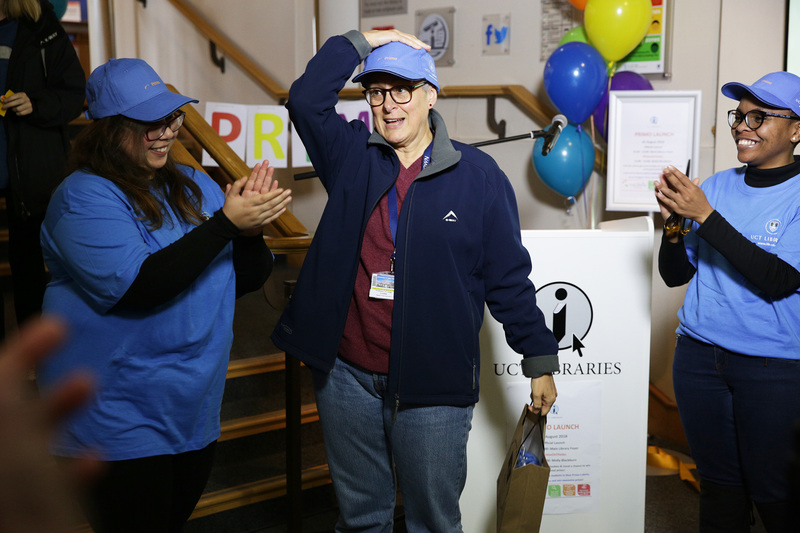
419, 233
737, 361
147, 258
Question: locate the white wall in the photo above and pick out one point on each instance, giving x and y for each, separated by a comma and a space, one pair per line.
745, 62
709, 43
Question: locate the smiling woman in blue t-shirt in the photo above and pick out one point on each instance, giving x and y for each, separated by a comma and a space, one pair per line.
737, 361
147, 258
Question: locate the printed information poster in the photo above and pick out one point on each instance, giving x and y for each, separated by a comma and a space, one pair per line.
649, 56
572, 445
648, 130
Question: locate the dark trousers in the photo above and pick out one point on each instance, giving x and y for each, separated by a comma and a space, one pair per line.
738, 412
149, 495
28, 274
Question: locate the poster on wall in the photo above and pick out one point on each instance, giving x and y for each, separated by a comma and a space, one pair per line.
560, 16
647, 131
649, 56
256, 133
348, 110
435, 27
496, 35
377, 8
74, 10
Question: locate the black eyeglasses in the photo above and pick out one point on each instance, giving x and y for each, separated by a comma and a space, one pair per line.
754, 119
158, 129
401, 94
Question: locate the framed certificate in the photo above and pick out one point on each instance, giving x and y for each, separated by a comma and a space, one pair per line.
648, 130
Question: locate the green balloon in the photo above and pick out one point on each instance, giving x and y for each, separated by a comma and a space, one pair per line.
576, 34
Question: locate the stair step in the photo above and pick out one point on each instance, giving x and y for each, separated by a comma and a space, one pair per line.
261, 364
261, 423
247, 493
257, 491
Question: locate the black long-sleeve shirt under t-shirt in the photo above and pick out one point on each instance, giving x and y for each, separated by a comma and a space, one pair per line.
171, 270
770, 274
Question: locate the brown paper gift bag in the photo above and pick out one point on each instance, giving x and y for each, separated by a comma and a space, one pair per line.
521, 489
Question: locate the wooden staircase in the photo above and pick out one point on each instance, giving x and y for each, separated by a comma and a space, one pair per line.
256, 365
242, 427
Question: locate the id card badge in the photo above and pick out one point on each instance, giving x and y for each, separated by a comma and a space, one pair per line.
382, 286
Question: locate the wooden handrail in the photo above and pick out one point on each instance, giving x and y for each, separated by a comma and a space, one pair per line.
231, 50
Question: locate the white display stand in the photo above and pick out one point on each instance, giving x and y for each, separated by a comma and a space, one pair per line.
594, 287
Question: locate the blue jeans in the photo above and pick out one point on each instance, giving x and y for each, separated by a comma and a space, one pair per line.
370, 451
738, 413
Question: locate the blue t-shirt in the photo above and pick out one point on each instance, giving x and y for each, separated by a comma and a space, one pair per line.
723, 308
160, 373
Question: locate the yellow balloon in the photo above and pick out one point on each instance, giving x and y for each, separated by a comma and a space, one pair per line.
616, 27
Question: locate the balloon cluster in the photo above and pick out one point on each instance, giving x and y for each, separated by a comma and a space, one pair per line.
577, 78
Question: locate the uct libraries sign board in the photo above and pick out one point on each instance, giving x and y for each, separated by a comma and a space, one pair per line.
594, 287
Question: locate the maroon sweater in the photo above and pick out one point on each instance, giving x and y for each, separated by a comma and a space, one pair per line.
368, 332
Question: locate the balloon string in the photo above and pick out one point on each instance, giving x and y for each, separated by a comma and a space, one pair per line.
583, 161
588, 203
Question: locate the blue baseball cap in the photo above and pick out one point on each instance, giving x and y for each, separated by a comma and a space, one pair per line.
401, 60
131, 88
776, 89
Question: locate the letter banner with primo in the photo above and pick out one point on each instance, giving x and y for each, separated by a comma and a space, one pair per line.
522, 483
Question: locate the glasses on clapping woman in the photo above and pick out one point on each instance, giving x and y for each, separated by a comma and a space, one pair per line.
754, 119
157, 129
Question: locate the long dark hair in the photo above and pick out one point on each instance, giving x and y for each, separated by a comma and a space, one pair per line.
100, 148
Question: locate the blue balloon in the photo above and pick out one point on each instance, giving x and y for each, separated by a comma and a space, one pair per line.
568, 166
575, 79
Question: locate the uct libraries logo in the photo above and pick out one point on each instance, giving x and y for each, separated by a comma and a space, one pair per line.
569, 314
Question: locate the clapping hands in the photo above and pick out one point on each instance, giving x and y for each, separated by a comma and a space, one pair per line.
254, 201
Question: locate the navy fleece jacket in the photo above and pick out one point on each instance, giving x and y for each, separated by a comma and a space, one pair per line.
458, 247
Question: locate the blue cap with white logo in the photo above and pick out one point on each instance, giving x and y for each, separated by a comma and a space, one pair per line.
401, 60
776, 89
131, 88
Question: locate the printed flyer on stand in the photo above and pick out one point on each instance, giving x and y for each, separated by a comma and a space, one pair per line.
572, 445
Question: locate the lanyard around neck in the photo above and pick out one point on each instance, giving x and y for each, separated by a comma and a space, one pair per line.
393, 218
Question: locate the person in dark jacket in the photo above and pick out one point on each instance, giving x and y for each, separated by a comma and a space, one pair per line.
43, 90
419, 233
